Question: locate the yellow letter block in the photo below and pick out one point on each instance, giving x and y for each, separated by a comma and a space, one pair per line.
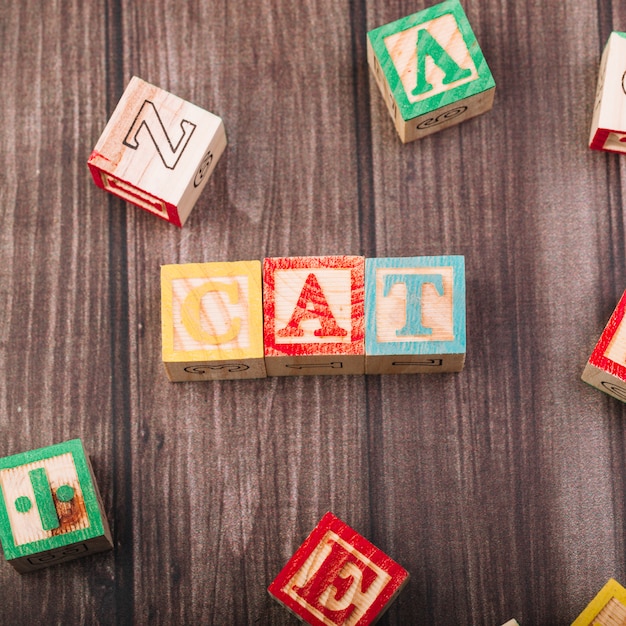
212, 321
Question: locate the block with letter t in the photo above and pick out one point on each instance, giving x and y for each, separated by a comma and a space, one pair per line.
212, 320
430, 70
414, 315
157, 151
608, 126
313, 315
337, 577
50, 507
606, 367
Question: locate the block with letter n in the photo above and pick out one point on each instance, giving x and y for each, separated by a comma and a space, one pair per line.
337, 577
608, 607
50, 507
313, 315
606, 367
414, 315
212, 320
430, 70
157, 151
608, 125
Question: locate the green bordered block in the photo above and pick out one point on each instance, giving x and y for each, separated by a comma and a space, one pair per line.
430, 70
414, 315
50, 507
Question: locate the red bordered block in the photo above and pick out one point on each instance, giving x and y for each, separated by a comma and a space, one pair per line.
313, 310
337, 577
606, 368
157, 151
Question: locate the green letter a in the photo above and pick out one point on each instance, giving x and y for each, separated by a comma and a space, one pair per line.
427, 45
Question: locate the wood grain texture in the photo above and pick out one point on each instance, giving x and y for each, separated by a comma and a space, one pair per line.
500, 488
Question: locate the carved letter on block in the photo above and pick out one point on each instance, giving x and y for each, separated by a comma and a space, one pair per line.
415, 315
337, 577
157, 151
608, 608
608, 127
50, 507
606, 368
212, 319
430, 70
313, 315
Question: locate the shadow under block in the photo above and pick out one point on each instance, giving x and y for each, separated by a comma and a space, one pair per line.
606, 367
157, 151
430, 70
50, 507
313, 309
338, 577
608, 608
608, 126
212, 321
414, 315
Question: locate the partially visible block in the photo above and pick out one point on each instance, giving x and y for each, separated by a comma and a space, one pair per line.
511, 622
313, 315
430, 70
415, 315
337, 577
608, 126
606, 367
212, 321
50, 507
157, 151
608, 608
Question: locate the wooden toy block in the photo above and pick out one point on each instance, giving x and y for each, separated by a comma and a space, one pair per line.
337, 577
430, 70
50, 507
313, 315
608, 608
606, 367
157, 151
212, 321
608, 126
511, 622
414, 315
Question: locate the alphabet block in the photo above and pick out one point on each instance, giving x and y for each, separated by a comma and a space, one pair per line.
606, 367
157, 151
337, 577
314, 315
212, 320
50, 507
430, 70
608, 126
608, 608
415, 315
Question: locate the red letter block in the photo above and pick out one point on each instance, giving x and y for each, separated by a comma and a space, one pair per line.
337, 577
314, 315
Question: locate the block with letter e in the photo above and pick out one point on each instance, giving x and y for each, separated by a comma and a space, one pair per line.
608, 607
50, 507
608, 125
430, 70
212, 321
337, 577
157, 151
415, 315
313, 315
606, 367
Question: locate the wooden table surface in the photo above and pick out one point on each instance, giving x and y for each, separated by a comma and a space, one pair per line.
500, 488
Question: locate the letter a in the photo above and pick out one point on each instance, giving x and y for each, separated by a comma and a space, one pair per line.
312, 294
427, 45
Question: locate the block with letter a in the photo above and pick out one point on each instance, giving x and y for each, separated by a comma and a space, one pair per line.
608, 125
430, 70
313, 315
212, 321
157, 151
338, 578
606, 367
415, 315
